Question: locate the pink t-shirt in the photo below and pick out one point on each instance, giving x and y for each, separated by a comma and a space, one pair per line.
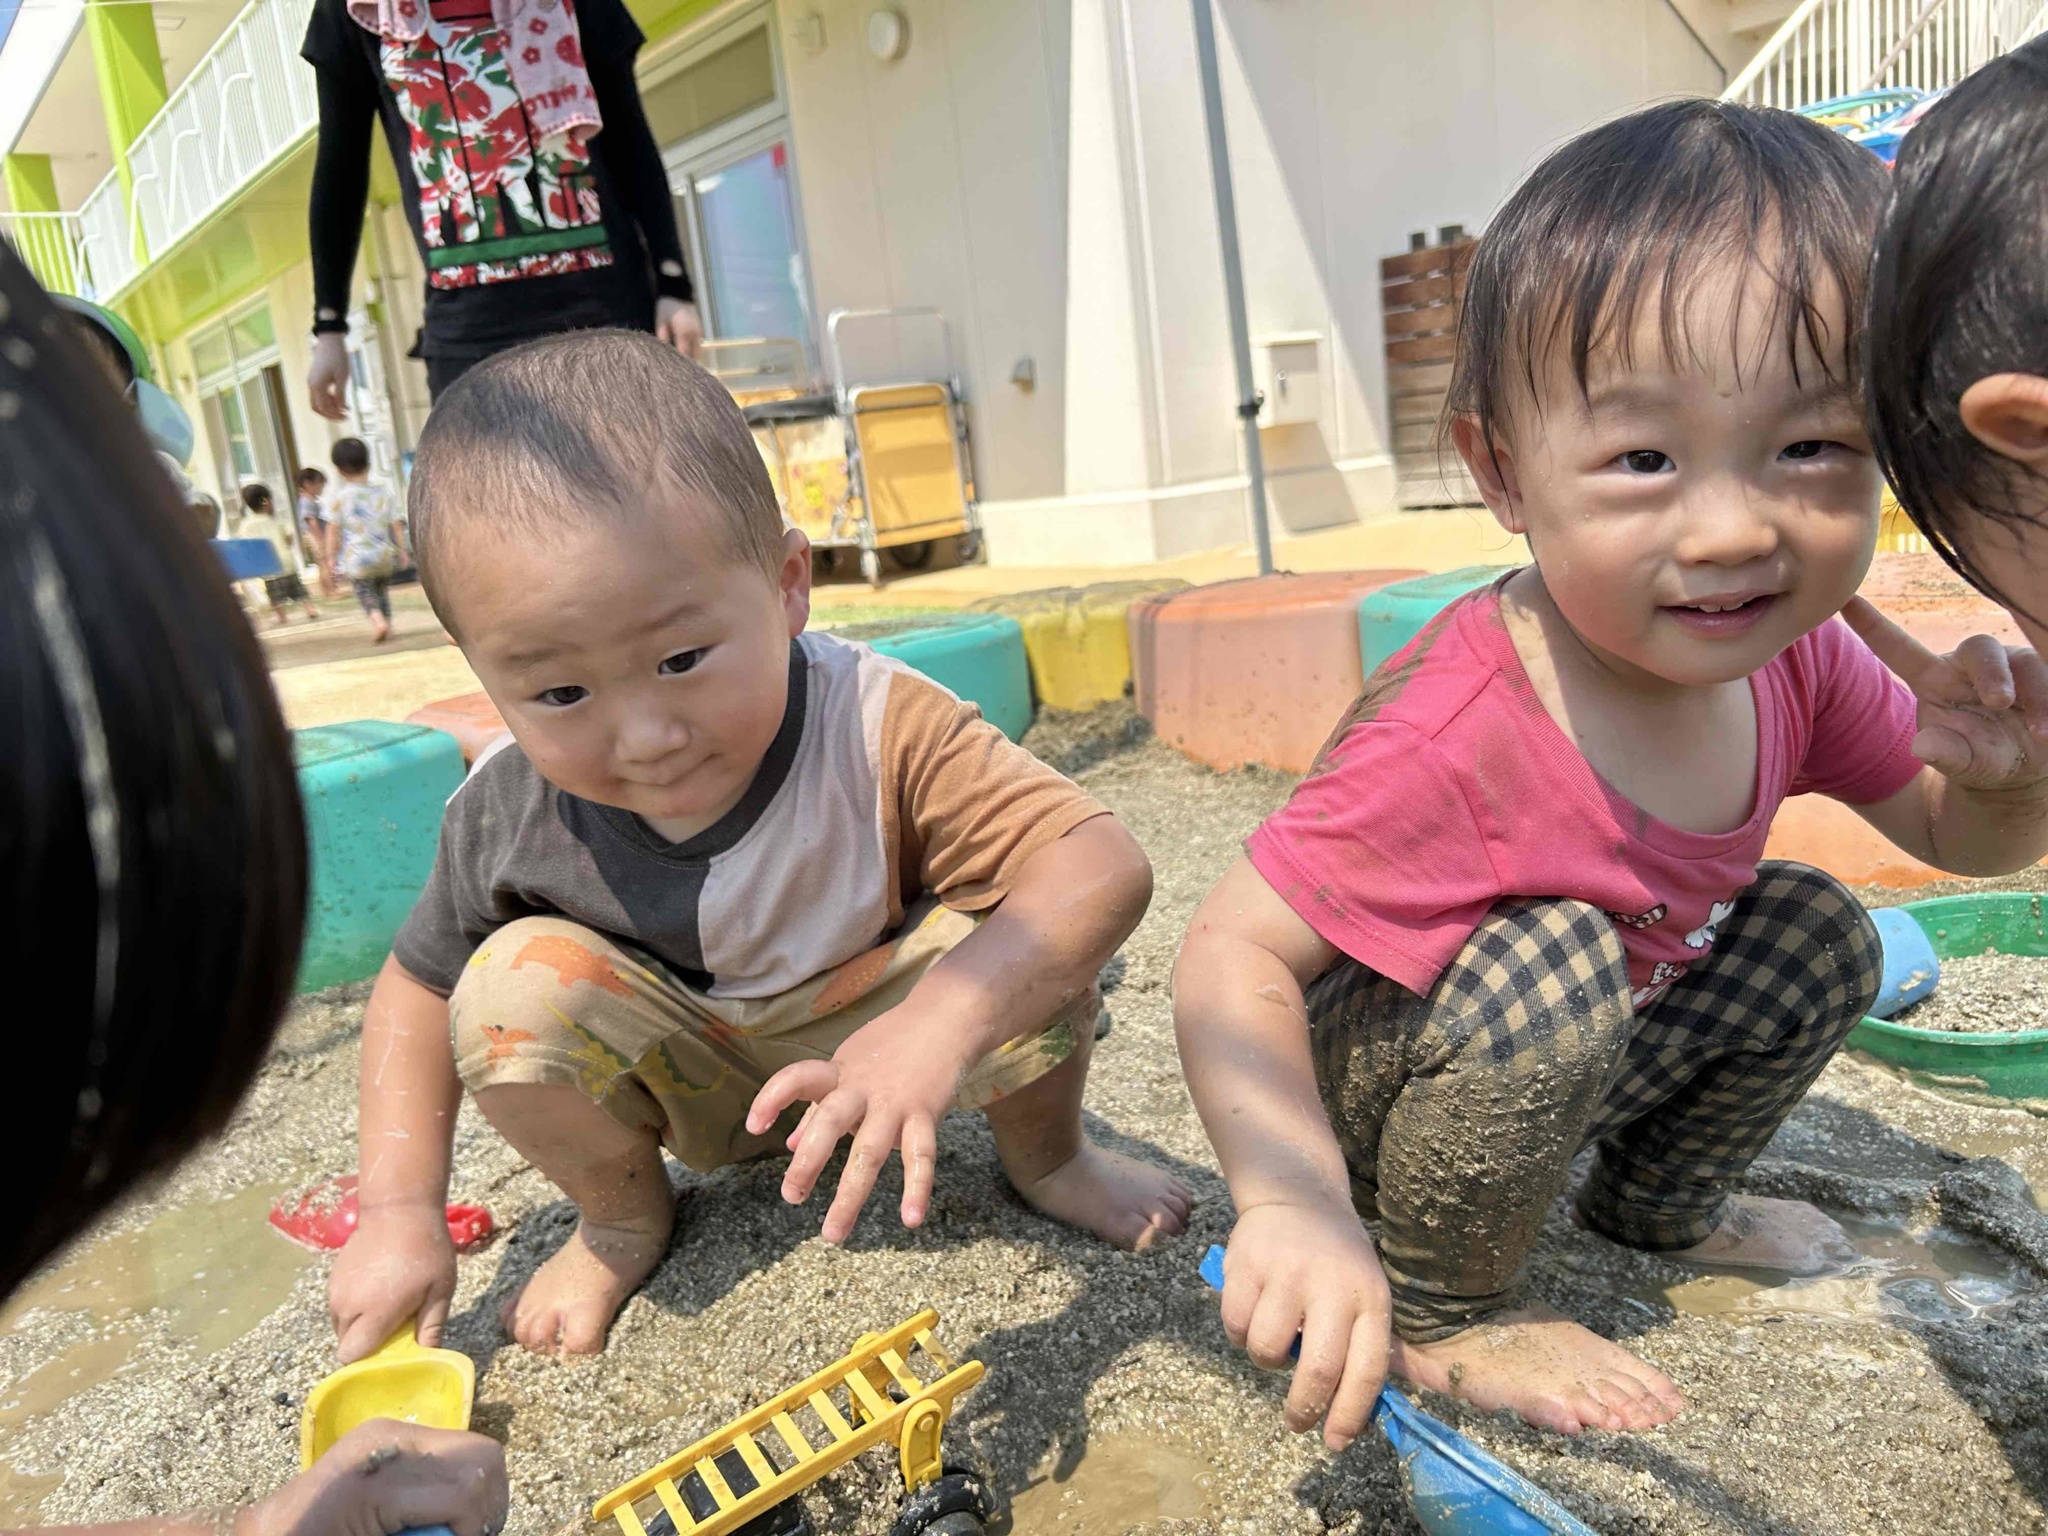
1449, 787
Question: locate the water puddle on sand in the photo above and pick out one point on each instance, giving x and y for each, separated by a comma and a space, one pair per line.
1933, 1275
1122, 1483
211, 1272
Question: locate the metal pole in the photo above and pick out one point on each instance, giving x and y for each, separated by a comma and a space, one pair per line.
1248, 398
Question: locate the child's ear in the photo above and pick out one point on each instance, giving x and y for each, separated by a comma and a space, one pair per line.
794, 580
1492, 470
2008, 413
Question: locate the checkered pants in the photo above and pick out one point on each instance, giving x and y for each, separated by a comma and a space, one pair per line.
1460, 1113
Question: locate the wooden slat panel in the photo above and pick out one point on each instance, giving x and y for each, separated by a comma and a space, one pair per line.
1407, 410
793, 1437
1436, 258
1417, 322
1423, 290
1415, 437
1423, 349
1419, 379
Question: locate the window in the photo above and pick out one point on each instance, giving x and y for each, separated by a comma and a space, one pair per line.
242, 397
725, 138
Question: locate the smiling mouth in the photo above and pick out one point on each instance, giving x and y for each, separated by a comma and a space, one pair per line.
1726, 615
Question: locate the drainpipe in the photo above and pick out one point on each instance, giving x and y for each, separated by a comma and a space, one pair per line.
1248, 398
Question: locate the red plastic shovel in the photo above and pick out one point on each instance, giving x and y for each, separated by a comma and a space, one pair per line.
325, 1217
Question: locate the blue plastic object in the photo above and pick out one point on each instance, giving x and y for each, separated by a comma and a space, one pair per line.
1389, 618
980, 656
373, 793
1911, 968
1456, 1488
247, 559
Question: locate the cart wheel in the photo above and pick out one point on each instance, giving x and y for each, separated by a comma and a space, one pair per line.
958, 1504
969, 549
912, 557
871, 567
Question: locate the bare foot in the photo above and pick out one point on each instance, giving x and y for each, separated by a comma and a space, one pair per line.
1757, 1232
568, 1306
1119, 1199
1546, 1368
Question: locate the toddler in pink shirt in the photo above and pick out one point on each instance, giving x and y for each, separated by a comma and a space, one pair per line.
1519, 905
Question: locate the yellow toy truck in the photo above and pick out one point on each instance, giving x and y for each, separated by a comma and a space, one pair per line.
896, 1387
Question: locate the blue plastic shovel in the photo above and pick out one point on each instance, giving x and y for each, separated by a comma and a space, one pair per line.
1457, 1489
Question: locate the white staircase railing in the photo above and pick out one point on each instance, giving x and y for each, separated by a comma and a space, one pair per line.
108, 238
53, 247
245, 104
1831, 48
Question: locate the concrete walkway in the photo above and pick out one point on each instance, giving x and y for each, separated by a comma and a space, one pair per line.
328, 671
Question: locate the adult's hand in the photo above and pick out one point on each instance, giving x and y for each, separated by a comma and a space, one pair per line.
386, 1476
327, 380
679, 324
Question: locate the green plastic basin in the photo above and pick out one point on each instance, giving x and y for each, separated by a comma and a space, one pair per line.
1389, 618
979, 656
373, 792
2006, 1066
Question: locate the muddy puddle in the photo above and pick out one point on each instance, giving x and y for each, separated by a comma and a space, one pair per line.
1927, 1274
1123, 1482
206, 1273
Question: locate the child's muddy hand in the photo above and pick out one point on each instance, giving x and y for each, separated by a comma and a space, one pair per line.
386, 1476
887, 1087
1983, 707
1307, 1272
400, 1264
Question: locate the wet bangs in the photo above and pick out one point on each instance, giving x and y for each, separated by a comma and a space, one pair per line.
1640, 211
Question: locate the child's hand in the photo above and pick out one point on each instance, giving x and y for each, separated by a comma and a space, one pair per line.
1297, 1270
1983, 707
386, 1476
888, 1087
399, 1264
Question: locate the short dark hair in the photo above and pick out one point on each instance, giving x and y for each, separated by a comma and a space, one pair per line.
351, 455
552, 430
1642, 205
308, 476
152, 858
1959, 291
256, 496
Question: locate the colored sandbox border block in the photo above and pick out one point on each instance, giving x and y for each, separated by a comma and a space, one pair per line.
471, 718
1077, 639
1393, 616
1252, 672
373, 792
979, 656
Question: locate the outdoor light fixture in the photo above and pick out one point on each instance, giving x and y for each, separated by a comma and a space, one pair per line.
888, 35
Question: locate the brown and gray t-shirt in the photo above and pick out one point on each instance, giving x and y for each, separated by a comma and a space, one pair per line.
879, 787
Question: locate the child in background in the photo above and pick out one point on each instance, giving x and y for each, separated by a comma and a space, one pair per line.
259, 521
312, 527
1958, 339
365, 534
720, 867
1517, 906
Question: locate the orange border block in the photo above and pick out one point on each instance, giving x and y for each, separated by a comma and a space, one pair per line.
1256, 671
471, 718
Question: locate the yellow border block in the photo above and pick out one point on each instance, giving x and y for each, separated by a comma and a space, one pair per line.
1077, 639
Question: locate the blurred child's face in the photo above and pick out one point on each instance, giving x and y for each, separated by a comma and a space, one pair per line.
2008, 415
637, 663
1690, 523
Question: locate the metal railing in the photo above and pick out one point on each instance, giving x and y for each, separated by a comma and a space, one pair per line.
246, 103
107, 238
52, 245
1833, 48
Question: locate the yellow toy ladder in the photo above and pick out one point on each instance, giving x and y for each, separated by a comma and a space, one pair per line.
872, 1394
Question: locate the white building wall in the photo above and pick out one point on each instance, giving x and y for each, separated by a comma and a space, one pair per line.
1038, 169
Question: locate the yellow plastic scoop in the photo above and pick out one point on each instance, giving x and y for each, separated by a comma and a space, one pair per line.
402, 1380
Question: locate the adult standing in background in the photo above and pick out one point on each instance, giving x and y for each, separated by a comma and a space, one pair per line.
531, 180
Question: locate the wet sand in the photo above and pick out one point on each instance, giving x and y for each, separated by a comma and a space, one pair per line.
1908, 1396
